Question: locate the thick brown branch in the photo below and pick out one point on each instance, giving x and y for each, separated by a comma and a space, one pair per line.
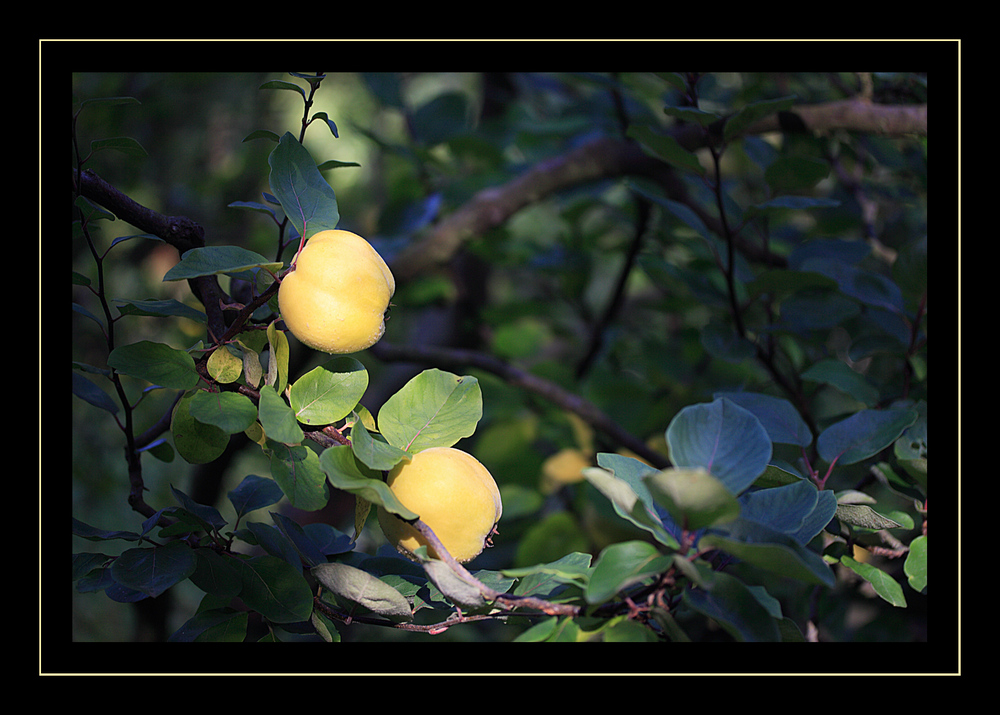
853, 115
607, 157
179, 231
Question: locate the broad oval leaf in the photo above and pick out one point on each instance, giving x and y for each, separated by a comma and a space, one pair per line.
722, 438
695, 498
306, 198
360, 593
434, 409
344, 473
733, 605
86, 390
621, 565
863, 434
229, 411
885, 585
777, 416
770, 550
277, 418
215, 260
297, 471
153, 571
156, 363
329, 392
275, 589
254, 493
196, 442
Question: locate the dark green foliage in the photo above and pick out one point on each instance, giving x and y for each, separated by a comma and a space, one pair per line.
727, 322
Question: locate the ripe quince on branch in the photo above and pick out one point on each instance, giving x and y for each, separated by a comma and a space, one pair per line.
335, 297
454, 494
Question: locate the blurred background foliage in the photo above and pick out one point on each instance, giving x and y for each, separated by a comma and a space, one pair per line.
529, 292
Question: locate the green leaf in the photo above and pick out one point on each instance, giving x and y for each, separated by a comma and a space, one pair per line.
865, 286
223, 365
153, 571
216, 574
915, 566
280, 84
254, 493
665, 147
297, 471
156, 363
85, 531
621, 565
798, 509
345, 473
864, 517
573, 568
434, 409
331, 125
87, 391
277, 418
275, 589
307, 200
795, 173
217, 625
196, 442
458, 589
329, 392
216, 260
884, 584
863, 434
277, 366
732, 604
622, 483
722, 438
374, 452
207, 515
777, 416
360, 593
691, 115
747, 115
160, 309
229, 411
761, 546
307, 549
694, 498
262, 134
775, 476
126, 145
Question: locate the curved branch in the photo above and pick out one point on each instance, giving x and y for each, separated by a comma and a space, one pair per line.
606, 157
853, 115
179, 231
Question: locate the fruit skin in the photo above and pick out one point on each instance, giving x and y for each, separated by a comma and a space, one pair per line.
335, 299
454, 495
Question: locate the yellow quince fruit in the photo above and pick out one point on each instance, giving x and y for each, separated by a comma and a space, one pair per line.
453, 493
335, 298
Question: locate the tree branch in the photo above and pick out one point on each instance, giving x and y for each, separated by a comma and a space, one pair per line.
552, 392
179, 231
606, 157
853, 115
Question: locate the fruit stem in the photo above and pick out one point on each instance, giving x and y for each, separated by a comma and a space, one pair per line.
488, 593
